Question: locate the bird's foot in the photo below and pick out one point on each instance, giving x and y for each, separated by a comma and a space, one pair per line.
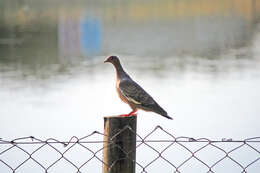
128, 115
124, 115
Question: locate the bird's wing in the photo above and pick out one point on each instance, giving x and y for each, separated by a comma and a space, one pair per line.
134, 93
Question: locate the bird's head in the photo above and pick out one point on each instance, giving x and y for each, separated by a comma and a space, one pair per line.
112, 59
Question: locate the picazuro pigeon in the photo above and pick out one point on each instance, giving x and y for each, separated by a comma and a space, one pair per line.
131, 93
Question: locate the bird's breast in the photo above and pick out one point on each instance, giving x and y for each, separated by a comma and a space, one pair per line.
119, 93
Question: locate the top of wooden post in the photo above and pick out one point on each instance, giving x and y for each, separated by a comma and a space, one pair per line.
118, 116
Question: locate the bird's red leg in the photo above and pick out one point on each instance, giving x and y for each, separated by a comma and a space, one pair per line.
132, 113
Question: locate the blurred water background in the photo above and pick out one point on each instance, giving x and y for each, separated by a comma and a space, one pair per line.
199, 59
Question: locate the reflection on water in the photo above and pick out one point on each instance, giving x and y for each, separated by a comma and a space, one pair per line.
199, 59
78, 37
35, 34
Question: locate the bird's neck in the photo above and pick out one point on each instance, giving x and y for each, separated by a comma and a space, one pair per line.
120, 71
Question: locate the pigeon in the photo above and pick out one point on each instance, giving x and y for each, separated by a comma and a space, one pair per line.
133, 94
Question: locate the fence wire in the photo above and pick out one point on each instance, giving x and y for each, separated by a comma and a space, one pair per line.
159, 150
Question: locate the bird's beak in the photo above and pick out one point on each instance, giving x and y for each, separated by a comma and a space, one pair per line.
106, 60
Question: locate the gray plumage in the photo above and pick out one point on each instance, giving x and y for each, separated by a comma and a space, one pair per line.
133, 94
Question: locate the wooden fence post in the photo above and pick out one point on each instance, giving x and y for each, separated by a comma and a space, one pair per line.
119, 151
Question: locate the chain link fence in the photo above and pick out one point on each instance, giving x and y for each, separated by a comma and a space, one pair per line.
158, 151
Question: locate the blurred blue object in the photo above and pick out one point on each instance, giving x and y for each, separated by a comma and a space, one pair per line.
90, 35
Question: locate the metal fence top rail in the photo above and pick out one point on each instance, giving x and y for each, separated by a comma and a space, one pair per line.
74, 139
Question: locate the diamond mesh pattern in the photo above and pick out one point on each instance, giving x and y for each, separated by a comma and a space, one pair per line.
159, 150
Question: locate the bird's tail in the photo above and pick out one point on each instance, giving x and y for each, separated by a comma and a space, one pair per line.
167, 116
162, 112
